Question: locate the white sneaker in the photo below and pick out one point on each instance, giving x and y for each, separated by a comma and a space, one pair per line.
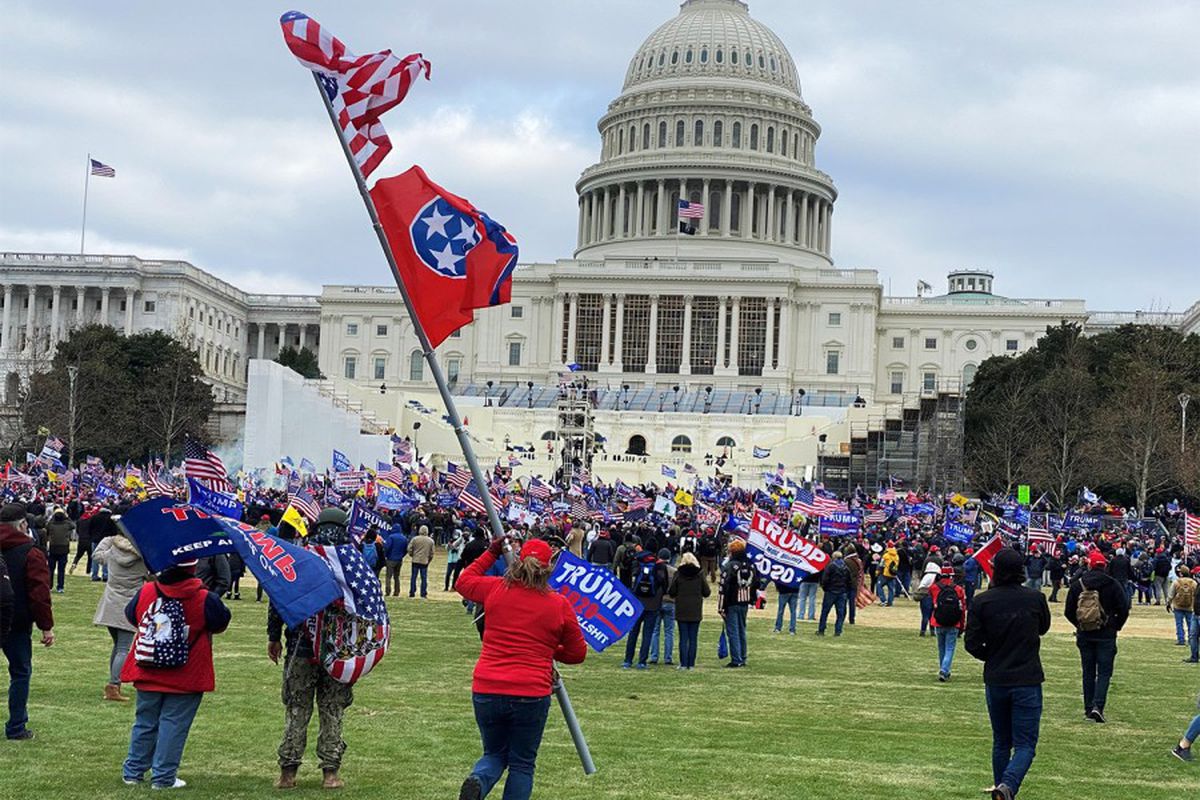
131, 782
178, 784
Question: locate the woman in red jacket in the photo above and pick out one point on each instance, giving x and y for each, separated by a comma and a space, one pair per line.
528, 628
171, 666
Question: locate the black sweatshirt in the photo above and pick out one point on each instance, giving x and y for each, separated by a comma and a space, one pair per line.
1112, 600
1003, 631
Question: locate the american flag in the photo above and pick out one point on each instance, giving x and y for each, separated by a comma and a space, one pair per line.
390, 473
403, 450
457, 477
470, 499
888, 495
205, 467
513, 461
101, 170
1038, 532
366, 640
360, 88
538, 490
876, 517
816, 505
1191, 531
302, 500
707, 515
579, 508
156, 487
690, 210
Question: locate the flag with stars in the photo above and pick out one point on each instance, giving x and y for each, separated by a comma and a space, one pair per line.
352, 634
452, 257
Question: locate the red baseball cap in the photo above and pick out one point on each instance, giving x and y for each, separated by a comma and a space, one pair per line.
537, 548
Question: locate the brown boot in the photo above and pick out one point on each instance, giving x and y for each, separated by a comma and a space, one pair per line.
332, 781
287, 778
113, 692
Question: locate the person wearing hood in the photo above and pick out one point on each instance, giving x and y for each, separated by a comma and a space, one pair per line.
102, 526
602, 552
666, 616
58, 540
1096, 607
949, 618
171, 676
689, 587
29, 577
1004, 630
739, 586
1121, 570
933, 570
126, 574
838, 585
648, 580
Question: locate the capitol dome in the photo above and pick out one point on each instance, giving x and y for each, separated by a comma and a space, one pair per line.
710, 112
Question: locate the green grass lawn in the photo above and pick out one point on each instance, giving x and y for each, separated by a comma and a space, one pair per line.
857, 717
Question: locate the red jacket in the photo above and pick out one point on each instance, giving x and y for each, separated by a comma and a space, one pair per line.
33, 585
936, 589
526, 631
205, 614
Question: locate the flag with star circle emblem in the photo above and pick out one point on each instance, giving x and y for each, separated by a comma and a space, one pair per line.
452, 257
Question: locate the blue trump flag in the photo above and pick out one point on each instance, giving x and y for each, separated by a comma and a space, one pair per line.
362, 518
168, 533
392, 498
959, 532
340, 462
840, 523
219, 503
604, 606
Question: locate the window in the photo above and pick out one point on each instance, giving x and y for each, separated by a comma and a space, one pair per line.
726, 441
718, 132
704, 55
637, 446
380, 367
832, 359
688, 57
968, 375
698, 133
191, 311
646, 136
381, 330
148, 306
674, 56
662, 134
453, 368
514, 354
720, 55
972, 344
928, 381
416, 366
549, 436
679, 133
754, 137
620, 141
1011, 345
835, 318
733, 56
351, 366
930, 343
352, 329
897, 342
737, 134
457, 334
771, 140
123, 308
762, 64
897, 386
518, 312
681, 444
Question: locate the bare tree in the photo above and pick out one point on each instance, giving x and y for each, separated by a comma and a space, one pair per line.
1003, 446
1065, 399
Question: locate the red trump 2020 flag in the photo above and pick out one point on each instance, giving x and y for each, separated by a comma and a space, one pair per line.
452, 257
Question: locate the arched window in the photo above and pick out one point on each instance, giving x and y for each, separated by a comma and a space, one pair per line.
726, 441
749, 60
773, 63
796, 146
416, 366
549, 436
646, 136
632, 137
674, 56
735, 212
662, 134
737, 134
704, 55
762, 64
681, 444
783, 142
733, 56
698, 134
718, 132
679, 133
621, 142
662, 58
968, 375
637, 445
687, 59
720, 56
770, 139
754, 137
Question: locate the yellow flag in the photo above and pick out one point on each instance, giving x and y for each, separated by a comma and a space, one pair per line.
958, 500
52, 476
133, 482
294, 518
683, 497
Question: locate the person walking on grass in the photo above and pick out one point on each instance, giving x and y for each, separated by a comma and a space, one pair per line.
739, 586
933, 570
788, 593
454, 565
126, 574
689, 587
394, 551
889, 567
171, 666
58, 540
666, 616
1180, 600
420, 554
1096, 607
949, 618
29, 578
837, 584
1183, 750
1004, 630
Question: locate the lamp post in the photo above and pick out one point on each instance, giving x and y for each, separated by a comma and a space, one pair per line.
416, 449
1184, 399
72, 374
529, 386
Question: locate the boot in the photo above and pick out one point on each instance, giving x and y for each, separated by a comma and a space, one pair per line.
332, 781
287, 778
113, 692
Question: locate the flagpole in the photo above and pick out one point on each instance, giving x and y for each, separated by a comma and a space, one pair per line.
87, 176
435, 368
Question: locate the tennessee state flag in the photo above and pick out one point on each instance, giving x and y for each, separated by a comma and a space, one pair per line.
452, 257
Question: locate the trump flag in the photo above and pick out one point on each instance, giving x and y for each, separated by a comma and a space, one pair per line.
452, 257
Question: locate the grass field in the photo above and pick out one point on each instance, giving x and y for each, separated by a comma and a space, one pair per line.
857, 717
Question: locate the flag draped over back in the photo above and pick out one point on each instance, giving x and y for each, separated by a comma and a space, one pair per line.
360, 88
353, 634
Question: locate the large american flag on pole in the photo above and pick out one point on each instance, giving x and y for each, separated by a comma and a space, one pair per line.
205, 467
1191, 532
353, 634
361, 88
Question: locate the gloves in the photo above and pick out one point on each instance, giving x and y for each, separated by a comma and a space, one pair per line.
497, 547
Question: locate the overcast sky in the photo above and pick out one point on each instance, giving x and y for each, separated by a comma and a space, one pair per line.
1053, 143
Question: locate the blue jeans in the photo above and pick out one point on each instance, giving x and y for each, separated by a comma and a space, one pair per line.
643, 626
887, 590
58, 563
1016, 713
666, 624
1097, 657
735, 632
18, 649
833, 600
1184, 622
1194, 640
160, 730
926, 611
423, 571
947, 641
98, 569
511, 730
1193, 731
808, 600
787, 601
689, 632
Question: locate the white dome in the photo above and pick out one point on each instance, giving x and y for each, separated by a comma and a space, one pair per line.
714, 39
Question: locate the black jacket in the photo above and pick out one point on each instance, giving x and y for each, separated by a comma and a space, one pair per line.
602, 551
1120, 569
1004, 630
213, 572
6, 601
1112, 600
836, 577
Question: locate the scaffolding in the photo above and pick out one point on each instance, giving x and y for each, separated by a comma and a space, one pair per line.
575, 430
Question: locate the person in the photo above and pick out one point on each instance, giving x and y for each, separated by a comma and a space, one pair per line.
126, 574
1181, 598
857, 580
1057, 569
1162, 570
808, 596
213, 572
306, 682
739, 586
83, 540
169, 692
1096, 607
1004, 630
58, 539
102, 525
6, 602
649, 583
1183, 750
454, 559
788, 593
372, 550
890, 565
529, 628
1194, 638
1121, 569
949, 618
971, 573
710, 552
420, 553
602, 551
237, 568
29, 576
1035, 568
933, 570
837, 586
665, 624
394, 552
689, 587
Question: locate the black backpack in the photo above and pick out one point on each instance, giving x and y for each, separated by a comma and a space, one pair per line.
645, 583
629, 561
947, 611
744, 575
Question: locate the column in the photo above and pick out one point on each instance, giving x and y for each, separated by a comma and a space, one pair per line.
104, 305
572, 321
814, 355
748, 213
770, 226
605, 329
556, 353
785, 339
736, 322
580, 223
618, 352
707, 210
803, 232
640, 225
828, 226
685, 363
80, 300
6, 331
769, 348
304, 334
129, 298
262, 339
606, 215
32, 312
727, 208
661, 223
789, 225
622, 218
720, 365
652, 350
683, 195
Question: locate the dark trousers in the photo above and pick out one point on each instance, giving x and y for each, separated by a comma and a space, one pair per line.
81, 550
415, 570
1097, 657
689, 632
926, 611
511, 730
18, 649
1057, 586
833, 600
643, 626
1016, 714
452, 573
969, 590
58, 565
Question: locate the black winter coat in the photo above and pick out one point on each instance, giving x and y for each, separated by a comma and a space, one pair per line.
1004, 630
7, 600
1112, 600
836, 578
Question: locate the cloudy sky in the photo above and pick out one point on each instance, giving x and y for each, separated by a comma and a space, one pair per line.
1054, 143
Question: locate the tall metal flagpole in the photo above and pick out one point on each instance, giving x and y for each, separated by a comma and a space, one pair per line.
87, 176
439, 378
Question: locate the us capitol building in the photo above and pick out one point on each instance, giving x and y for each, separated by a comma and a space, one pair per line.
740, 332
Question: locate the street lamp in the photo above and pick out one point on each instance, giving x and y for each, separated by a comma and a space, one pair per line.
529, 386
1184, 399
416, 449
72, 374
